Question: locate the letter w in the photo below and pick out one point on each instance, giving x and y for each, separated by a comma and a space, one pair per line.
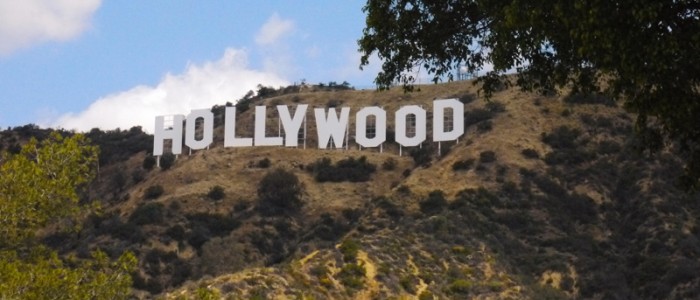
331, 126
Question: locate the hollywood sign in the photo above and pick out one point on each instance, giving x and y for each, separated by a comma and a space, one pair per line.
329, 126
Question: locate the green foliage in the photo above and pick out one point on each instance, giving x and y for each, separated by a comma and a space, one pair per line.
530, 153
166, 161
216, 193
148, 162
422, 156
352, 276
349, 169
349, 248
463, 164
434, 203
215, 224
44, 276
425, 295
487, 156
461, 286
204, 293
563, 137
118, 145
640, 52
148, 213
263, 163
39, 186
279, 191
153, 192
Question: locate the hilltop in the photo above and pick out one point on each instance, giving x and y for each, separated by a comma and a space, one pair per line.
543, 197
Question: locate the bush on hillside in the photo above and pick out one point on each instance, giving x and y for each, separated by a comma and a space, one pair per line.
463, 165
263, 163
149, 213
216, 193
422, 155
278, 192
487, 156
153, 192
530, 153
435, 203
166, 161
149, 162
349, 169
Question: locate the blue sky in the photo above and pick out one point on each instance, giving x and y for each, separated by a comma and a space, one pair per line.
79, 64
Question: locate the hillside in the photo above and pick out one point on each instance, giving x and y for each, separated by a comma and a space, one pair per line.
543, 197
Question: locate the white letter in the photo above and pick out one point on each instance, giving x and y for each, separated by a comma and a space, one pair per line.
419, 125
260, 138
439, 133
208, 129
292, 126
230, 139
361, 126
174, 134
331, 126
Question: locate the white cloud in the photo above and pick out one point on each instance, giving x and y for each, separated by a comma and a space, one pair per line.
273, 30
200, 86
27, 22
350, 69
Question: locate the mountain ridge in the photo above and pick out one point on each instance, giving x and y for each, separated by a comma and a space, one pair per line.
543, 197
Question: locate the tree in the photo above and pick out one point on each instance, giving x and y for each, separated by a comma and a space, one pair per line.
40, 186
279, 192
166, 161
643, 53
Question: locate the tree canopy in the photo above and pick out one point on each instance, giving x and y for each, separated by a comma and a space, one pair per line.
40, 186
643, 53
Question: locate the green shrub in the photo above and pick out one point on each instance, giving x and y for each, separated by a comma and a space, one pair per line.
434, 203
421, 155
609, 147
562, 137
176, 232
487, 156
352, 276
154, 191
149, 162
530, 153
463, 164
349, 248
149, 213
349, 169
425, 295
408, 283
216, 193
264, 163
279, 191
216, 224
461, 286
166, 161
